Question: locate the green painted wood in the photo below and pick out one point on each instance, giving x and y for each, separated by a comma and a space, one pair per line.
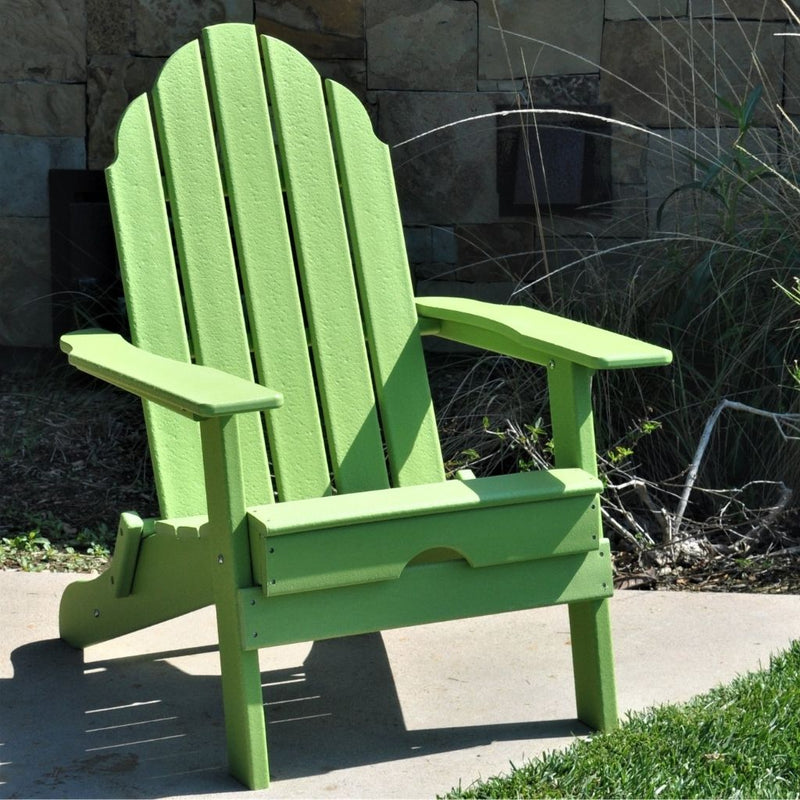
544, 335
323, 255
266, 264
376, 551
593, 664
171, 578
202, 234
149, 277
370, 557
228, 554
188, 389
314, 544
182, 527
126, 553
419, 500
384, 283
424, 593
570, 392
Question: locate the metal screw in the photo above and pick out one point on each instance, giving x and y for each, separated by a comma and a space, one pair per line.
220, 559
551, 364
96, 612
252, 602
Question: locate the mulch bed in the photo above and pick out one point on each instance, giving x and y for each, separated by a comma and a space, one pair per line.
73, 455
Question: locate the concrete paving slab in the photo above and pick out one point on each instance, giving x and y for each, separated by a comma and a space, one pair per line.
408, 713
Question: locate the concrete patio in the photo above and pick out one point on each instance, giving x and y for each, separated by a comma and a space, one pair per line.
410, 713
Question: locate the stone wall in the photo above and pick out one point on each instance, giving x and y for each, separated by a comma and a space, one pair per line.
69, 67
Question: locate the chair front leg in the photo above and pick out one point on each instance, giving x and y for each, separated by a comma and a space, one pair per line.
570, 387
229, 552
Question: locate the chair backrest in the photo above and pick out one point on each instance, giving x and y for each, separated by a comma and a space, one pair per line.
258, 232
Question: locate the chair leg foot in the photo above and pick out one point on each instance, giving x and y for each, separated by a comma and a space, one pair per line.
593, 664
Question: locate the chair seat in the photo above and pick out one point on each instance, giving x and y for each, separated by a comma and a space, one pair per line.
343, 540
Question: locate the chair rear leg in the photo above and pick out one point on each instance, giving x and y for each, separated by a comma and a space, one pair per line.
593, 664
151, 579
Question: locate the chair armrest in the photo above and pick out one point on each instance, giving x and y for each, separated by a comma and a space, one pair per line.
533, 335
190, 389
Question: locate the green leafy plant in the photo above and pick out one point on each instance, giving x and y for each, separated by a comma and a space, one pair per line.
54, 544
26, 551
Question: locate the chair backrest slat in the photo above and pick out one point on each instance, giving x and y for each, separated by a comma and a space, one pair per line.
266, 263
384, 282
202, 235
325, 268
152, 291
258, 232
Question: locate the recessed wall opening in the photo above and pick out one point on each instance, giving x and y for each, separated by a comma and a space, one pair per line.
561, 162
87, 291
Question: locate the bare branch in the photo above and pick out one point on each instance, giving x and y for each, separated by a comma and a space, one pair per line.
790, 421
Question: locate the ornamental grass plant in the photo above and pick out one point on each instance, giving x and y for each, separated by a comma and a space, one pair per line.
706, 281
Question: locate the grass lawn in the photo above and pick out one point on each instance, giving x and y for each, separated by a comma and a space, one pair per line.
739, 740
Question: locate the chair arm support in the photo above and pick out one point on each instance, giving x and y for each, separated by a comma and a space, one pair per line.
533, 335
195, 391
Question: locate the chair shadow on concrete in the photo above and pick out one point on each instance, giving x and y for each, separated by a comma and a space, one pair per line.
142, 727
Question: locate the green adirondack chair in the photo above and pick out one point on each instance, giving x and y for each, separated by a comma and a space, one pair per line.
269, 275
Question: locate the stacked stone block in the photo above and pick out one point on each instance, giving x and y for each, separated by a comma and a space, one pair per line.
69, 67
42, 126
